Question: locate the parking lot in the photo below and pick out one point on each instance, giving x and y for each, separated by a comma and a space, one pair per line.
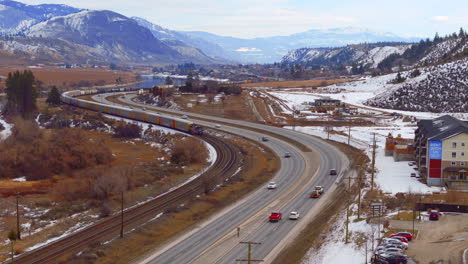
441, 241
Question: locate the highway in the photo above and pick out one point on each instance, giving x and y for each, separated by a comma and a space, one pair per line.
216, 241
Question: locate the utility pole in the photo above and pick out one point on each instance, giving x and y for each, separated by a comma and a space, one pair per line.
374, 147
349, 134
121, 214
347, 224
18, 234
249, 255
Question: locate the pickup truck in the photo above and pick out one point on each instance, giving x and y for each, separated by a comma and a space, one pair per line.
319, 189
275, 216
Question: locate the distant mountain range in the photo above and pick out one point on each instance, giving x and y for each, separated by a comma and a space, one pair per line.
110, 36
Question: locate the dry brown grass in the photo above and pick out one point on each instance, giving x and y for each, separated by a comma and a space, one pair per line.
296, 84
234, 106
258, 168
64, 77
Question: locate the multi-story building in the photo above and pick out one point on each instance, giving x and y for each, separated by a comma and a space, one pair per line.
442, 151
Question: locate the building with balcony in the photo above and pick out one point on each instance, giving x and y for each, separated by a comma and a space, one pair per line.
441, 151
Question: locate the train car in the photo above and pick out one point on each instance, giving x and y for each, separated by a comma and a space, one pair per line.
153, 118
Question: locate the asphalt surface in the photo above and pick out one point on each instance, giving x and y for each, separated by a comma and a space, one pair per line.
296, 179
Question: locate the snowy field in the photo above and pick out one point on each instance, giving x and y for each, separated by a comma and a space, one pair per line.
392, 177
357, 92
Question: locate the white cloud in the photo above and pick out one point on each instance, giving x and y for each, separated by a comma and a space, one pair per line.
245, 49
440, 18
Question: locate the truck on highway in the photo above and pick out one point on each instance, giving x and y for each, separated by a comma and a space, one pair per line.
275, 216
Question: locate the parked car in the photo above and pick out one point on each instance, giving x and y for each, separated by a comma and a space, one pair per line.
333, 172
434, 215
319, 189
396, 243
272, 185
287, 154
293, 215
407, 235
389, 250
402, 239
315, 194
275, 216
394, 258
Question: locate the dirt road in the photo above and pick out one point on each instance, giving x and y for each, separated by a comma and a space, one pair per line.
441, 241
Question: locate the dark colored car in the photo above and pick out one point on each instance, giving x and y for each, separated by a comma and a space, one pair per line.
407, 235
395, 258
333, 172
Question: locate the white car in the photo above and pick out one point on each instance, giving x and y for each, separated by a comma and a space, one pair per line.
218, 126
294, 215
184, 117
272, 185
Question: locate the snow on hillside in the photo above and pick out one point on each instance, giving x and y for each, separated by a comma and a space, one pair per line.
361, 54
6, 132
448, 47
444, 88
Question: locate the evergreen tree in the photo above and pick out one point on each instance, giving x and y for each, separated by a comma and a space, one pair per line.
189, 82
21, 93
169, 81
462, 33
54, 96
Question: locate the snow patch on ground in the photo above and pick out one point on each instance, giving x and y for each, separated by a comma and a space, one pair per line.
7, 131
392, 177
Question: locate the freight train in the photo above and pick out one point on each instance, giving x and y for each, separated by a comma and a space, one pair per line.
130, 113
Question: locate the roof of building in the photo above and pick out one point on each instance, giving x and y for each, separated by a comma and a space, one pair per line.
442, 127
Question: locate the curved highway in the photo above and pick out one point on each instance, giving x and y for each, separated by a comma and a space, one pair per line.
216, 240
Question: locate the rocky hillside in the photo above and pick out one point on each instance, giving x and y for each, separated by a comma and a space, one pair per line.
369, 55
442, 88
15, 17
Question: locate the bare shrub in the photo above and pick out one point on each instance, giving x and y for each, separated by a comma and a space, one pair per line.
188, 151
127, 130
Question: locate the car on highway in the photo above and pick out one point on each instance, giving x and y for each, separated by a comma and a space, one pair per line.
287, 154
315, 194
406, 235
272, 185
184, 117
265, 139
218, 126
275, 216
319, 189
293, 215
143, 109
333, 172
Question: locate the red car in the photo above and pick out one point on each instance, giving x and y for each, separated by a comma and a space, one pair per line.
275, 216
315, 194
401, 238
406, 235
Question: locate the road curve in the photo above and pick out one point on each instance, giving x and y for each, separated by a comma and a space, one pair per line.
216, 241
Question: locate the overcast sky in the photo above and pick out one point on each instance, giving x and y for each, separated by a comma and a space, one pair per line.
255, 18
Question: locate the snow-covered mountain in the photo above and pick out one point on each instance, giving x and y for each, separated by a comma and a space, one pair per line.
171, 36
272, 49
114, 36
15, 17
362, 54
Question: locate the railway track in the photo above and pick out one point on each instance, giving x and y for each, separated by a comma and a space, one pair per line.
228, 157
